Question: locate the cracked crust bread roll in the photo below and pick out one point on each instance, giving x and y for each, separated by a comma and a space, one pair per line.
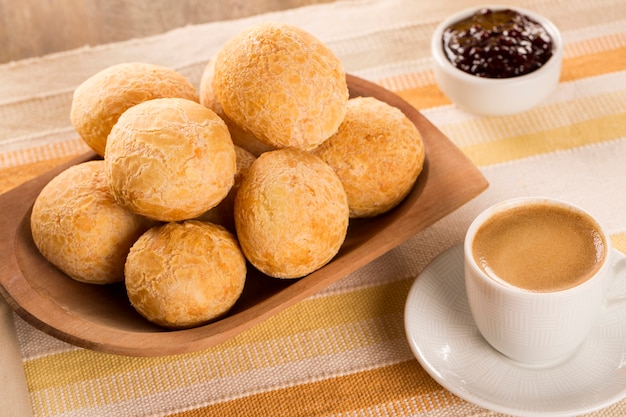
181, 275
240, 137
99, 101
291, 213
79, 228
378, 153
281, 84
170, 159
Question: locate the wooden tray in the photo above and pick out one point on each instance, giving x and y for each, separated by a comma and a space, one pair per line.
101, 318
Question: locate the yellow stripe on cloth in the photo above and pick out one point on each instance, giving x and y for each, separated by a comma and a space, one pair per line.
316, 327
583, 133
400, 389
88, 379
619, 242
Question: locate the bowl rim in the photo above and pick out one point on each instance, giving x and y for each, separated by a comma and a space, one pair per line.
444, 64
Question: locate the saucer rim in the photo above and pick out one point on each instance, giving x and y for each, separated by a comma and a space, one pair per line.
457, 251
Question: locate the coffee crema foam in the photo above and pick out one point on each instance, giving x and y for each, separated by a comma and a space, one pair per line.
539, 247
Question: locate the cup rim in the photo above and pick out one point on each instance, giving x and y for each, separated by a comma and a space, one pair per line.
516, 202
444, 64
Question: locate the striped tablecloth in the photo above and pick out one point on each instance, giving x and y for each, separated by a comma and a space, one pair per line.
342, 352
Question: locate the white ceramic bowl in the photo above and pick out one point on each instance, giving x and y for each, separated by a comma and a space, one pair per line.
496, 96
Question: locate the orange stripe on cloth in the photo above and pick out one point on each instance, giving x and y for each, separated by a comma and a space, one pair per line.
57, 149
599, 63
16, 175
400, 389
19, 166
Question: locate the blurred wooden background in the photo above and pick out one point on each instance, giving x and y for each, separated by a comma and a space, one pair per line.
30, 28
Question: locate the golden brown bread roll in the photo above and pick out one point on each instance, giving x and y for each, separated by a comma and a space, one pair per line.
240, 137
281, 84
291, 213
99, 101
181, 275
79, 228
377, 153
170, 159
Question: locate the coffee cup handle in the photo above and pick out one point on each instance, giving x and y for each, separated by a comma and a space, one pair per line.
617, 281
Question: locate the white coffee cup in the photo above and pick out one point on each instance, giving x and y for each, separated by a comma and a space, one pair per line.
535, 327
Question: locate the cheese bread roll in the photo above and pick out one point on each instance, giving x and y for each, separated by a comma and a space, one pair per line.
99, 101
170, 159
281, 84
182, 275
291, 213
77, 225
378, 153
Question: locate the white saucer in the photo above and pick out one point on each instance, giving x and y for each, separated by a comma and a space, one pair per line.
446, 342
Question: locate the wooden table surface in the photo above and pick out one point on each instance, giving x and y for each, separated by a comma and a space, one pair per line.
30, 28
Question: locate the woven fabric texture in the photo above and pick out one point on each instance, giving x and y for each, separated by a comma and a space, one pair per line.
342, 352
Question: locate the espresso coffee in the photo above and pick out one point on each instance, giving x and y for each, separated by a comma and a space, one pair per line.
539, 247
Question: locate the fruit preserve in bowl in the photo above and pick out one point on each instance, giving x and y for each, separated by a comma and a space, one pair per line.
497, 60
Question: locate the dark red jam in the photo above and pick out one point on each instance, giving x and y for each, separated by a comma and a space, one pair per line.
497, 44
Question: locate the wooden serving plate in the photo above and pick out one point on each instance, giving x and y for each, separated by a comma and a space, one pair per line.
102, 319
